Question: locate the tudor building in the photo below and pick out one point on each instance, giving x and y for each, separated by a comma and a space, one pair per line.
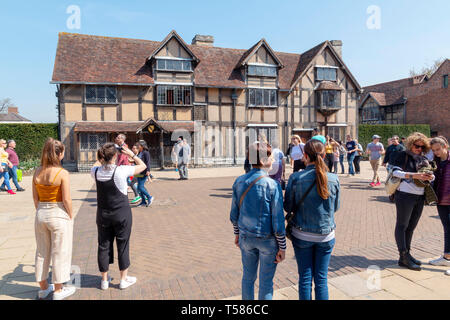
153, 90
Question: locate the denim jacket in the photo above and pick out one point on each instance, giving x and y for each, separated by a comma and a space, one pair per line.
315, 215
261, 213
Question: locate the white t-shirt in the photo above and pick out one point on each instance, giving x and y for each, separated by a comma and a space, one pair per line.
296, 152
120, 178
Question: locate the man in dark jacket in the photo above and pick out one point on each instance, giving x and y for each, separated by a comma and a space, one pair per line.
391, 152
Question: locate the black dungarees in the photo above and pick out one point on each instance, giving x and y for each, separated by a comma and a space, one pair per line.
114, 220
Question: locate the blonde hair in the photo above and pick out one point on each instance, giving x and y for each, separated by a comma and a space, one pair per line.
51, 153
417, 136
295, 136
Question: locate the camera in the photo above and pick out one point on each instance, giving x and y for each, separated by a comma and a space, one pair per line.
119, 148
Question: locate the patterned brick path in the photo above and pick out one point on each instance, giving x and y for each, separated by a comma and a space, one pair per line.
182, 247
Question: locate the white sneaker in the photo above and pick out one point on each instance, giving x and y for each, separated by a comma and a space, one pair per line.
447, 273
129, 281
150, 201
441, 261
105, 284
64, 293
42, 294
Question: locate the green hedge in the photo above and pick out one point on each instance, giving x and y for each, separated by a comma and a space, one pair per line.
29, 137
366, 131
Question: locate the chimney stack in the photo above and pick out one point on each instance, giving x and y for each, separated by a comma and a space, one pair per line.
337, 45
13, 110
202, 40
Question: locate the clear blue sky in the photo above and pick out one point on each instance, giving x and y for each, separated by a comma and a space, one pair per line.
411, 34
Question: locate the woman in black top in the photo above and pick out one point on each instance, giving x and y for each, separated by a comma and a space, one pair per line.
144, 155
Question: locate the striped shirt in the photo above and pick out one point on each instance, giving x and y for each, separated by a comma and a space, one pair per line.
281, 240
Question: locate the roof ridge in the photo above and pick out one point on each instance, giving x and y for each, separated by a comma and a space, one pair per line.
398, 80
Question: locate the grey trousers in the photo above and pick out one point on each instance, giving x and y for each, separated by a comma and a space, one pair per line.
183, 170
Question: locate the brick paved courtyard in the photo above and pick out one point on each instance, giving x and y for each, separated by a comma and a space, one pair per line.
182, 247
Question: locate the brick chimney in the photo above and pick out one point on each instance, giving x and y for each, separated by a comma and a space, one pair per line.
417, 79
202, 40
337, 45
13, 110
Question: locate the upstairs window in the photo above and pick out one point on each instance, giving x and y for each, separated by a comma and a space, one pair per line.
173, 65
263, 71
328, 98
445, 81
174, 95
262, 97
328, 74
101, 94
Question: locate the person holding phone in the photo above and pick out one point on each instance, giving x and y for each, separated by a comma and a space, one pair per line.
409, 197
114, 217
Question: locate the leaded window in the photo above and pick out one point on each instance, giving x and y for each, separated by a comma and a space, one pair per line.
101, 94
92, 141
173, 65
323, 73
264, 71
174, 95
262, 97
328, 98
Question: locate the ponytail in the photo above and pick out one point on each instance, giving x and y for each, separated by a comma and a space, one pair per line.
315, 151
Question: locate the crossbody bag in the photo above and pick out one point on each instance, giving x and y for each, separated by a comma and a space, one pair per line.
290, 216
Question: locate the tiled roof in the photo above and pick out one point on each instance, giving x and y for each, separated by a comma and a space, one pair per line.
129, 126
96, 59
12, 117
328, 85
391, 92
107, 126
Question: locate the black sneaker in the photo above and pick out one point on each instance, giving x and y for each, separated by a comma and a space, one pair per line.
20, 190
4, 189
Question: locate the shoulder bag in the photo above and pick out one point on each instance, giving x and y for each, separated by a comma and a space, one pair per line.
392, 183
290, 216
248, 189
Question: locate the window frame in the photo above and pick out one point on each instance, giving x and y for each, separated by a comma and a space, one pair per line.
320, 99
87, 135
259, 94
97, 91
177, 92
316, 73
263, 67
174, 61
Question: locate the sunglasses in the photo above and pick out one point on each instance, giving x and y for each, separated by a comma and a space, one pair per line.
418, 147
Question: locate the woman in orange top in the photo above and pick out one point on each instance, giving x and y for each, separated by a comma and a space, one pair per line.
53, 223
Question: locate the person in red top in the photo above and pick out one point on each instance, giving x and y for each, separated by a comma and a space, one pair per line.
122, 159
14, 159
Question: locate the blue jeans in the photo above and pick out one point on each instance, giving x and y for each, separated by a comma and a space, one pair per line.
350, 159
313, 259
341, 161
263, 251
12, 175
142, 190
5, 175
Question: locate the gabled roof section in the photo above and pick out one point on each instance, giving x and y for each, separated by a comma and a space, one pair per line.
445, 62
307, 59
173, 34
250, 52
387, 98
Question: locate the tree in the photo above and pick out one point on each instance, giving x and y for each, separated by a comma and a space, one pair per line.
5, 104
428, 70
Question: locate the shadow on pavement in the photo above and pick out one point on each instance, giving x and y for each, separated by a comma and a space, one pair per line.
340, 262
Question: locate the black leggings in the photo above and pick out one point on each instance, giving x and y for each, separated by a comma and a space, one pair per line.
356, 163
329, 161
444, 214
409, 209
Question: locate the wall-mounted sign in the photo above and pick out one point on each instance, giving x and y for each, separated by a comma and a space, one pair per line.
151, 128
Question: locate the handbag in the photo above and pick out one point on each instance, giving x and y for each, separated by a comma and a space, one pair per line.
19, 175
290, 216
392, 183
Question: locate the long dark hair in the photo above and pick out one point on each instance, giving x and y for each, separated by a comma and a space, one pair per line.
315, 151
